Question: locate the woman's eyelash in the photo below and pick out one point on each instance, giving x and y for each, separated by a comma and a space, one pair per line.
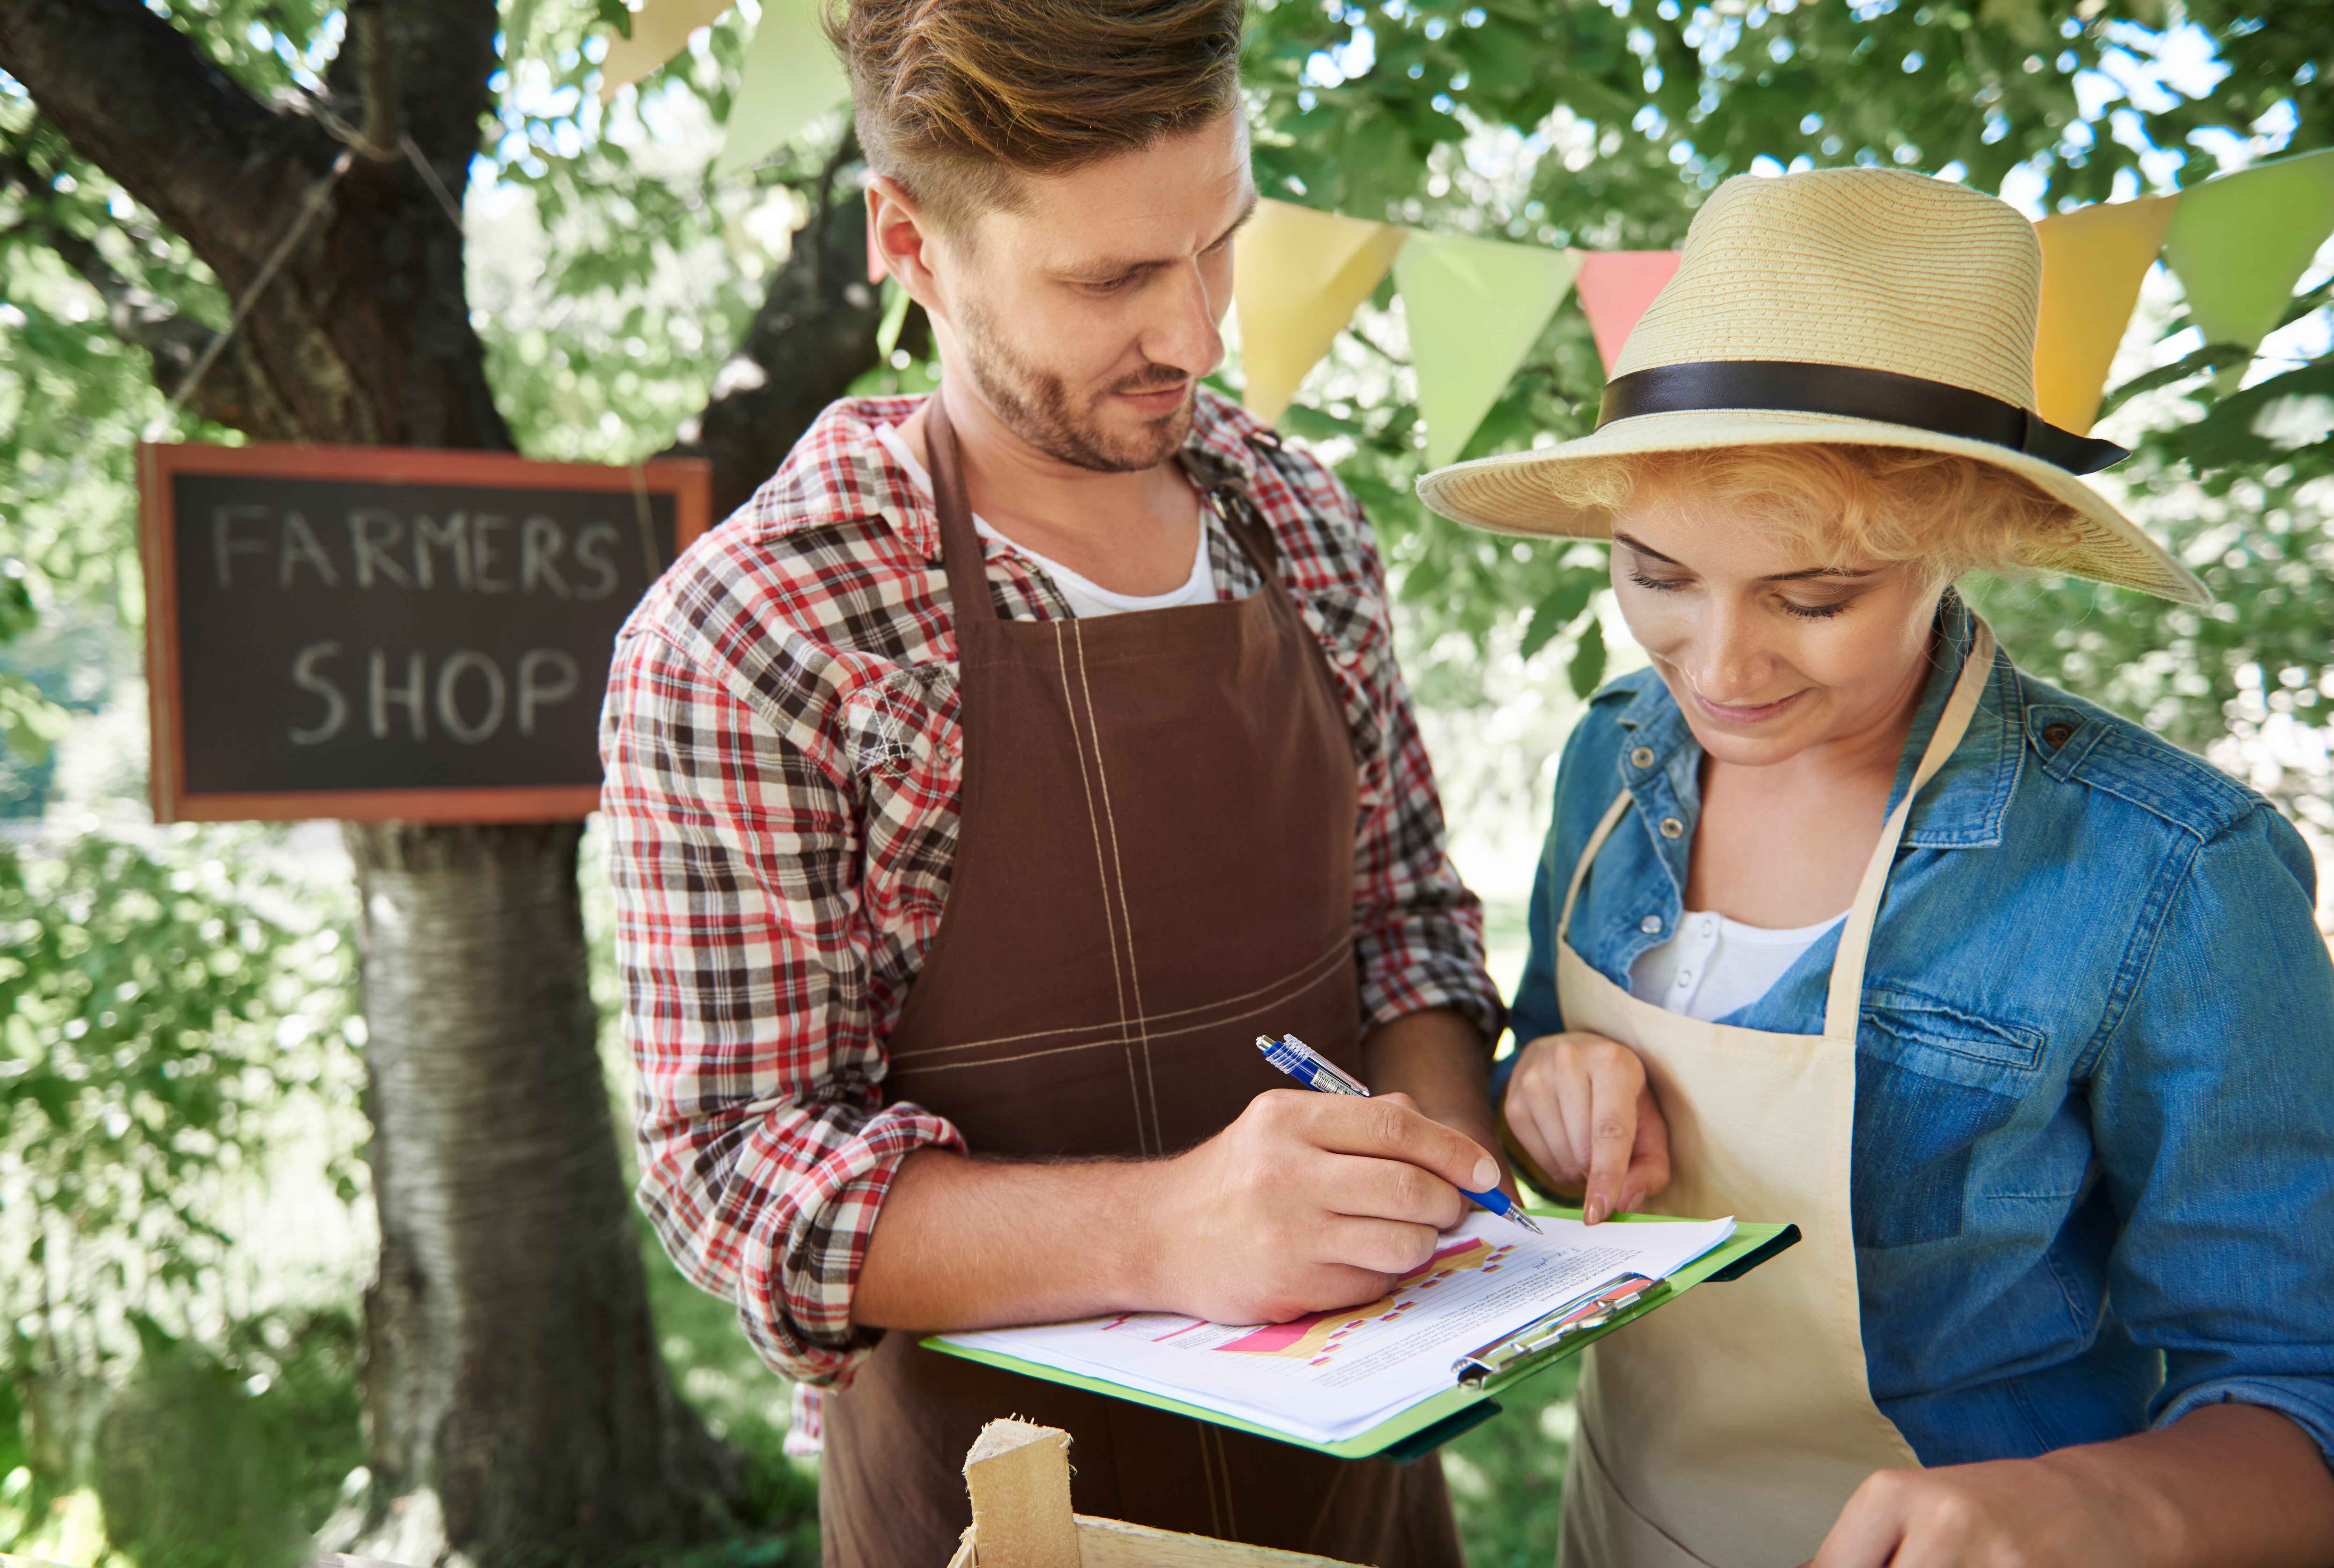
1804, 612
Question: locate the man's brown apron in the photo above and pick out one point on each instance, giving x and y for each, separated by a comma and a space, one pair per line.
1154, 865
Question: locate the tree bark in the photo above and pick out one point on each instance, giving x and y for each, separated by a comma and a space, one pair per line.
512, 1388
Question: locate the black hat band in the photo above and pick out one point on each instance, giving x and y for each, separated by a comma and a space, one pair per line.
1856, 392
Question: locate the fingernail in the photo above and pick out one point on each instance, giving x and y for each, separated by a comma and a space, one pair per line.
1593, 1214
1630, 1200
1486, 1174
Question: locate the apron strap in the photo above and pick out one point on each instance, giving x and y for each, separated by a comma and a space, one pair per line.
1845, 998
1846, 1001
961, 555
1613, 815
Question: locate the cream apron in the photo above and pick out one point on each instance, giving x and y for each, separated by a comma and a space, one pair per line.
1731, 1427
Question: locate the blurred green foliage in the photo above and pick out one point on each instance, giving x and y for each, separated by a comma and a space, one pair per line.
157, 1006
143, 995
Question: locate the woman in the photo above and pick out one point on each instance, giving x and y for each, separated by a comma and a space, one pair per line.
2019, 1013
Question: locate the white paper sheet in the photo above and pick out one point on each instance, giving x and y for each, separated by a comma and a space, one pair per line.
1330, 1375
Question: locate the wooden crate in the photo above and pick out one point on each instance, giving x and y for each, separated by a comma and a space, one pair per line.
1019, 1478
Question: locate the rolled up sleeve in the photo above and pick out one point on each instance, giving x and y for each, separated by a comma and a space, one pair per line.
765, 1148
2212, 1109
1418, 931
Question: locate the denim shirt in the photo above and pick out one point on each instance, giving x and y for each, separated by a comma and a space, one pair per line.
2092, 1183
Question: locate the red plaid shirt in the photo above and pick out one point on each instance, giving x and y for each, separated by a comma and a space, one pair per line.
783, 759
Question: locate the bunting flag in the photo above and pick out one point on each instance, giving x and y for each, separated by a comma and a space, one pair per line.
791, 75
1475, 307
1298, 275
2094, 260
2239, 243
1615, 287
661, 30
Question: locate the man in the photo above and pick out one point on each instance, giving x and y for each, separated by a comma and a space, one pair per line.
987, 784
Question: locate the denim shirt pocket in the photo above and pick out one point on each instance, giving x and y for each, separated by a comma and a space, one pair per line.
1932, 1080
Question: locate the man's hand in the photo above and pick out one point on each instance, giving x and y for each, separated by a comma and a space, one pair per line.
1306, 1203
1579, 1106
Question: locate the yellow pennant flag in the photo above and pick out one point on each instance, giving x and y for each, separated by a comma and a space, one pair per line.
2240, 242
2093, 261
1297, 276
661, 30
1475, 306
790, 77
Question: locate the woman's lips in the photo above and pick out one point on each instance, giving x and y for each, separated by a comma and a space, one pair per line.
1729, 712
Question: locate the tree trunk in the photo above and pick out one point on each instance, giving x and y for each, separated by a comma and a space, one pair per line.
516, 1407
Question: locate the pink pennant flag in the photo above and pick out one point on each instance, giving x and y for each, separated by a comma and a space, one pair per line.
1614, 288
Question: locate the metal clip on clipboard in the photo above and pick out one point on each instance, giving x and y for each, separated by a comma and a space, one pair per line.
1591, 1310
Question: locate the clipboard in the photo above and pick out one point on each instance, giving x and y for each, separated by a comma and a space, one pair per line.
1421, 1428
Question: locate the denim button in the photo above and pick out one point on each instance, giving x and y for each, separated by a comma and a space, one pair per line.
1651, 924
2055, 736
1672, 827
1642, 757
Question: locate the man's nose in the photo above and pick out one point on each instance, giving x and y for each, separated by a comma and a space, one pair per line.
1184, 335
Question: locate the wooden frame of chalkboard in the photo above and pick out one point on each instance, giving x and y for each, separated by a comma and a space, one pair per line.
677, 491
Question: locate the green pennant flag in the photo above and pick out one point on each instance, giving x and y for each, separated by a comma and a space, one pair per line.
2240, 242
1475, 307
790, 76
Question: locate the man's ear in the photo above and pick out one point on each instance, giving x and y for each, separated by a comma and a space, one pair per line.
898, 240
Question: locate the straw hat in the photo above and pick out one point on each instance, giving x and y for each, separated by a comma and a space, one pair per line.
1869, 306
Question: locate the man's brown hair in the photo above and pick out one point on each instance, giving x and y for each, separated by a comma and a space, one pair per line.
956, 98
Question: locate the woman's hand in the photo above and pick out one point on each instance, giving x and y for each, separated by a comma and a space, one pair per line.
1579, 1106
2224, 1485
2004, 1514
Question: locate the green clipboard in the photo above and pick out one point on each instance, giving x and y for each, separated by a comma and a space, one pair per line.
1433, 1421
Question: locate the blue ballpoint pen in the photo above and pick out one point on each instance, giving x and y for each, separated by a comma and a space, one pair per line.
1314, 1071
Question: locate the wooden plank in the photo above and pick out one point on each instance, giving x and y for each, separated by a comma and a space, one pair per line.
1019, 1475
1114, 1544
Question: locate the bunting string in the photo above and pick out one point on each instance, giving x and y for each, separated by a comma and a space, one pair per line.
2238, 243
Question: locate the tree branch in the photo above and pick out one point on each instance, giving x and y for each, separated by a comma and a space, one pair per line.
138, 315
376, 62
813, 336
138, 99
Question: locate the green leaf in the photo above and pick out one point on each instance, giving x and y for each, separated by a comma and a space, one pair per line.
1559, 608
1587, 667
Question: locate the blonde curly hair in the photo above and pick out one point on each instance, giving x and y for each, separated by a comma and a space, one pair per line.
1842, 504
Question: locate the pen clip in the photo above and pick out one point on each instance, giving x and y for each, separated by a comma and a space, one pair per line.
1588, 1311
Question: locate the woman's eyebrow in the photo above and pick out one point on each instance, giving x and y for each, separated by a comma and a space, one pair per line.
1805, 573
1643, 549
1802, 575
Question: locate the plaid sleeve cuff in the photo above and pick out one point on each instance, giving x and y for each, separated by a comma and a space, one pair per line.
1428, 960
797, 1230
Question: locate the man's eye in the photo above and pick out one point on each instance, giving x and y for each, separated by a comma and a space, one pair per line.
1113, 285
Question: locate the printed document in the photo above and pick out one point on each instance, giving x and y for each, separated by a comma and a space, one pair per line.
1330, 1375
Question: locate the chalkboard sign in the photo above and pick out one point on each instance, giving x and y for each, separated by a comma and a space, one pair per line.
391, 633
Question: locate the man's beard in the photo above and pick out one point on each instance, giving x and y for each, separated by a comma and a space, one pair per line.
1035, 405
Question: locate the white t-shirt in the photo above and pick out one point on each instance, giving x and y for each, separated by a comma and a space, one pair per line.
1713, 965
1085, 597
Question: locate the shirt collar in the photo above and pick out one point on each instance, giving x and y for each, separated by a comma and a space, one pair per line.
866, 480
1963, 806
